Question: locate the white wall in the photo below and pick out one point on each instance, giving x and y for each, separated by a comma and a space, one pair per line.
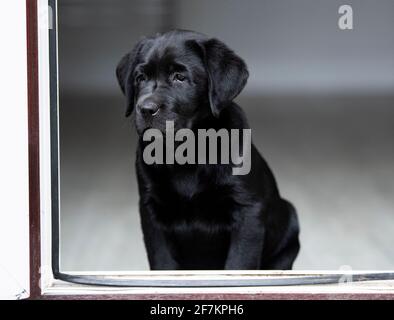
14, 206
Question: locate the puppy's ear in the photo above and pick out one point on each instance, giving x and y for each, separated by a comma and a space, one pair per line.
124, 74
227, 73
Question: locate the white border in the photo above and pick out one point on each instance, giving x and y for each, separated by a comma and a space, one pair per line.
45, 144
14, 159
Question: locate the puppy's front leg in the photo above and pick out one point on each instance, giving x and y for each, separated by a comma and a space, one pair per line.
159, 255
247, 238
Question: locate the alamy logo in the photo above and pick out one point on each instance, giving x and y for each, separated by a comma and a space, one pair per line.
345, 21
235, 147
45, 16
347, 276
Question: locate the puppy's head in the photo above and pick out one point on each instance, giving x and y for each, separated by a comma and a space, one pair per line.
179, 76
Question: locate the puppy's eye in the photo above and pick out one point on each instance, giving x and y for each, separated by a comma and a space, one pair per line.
140, 78
179, 77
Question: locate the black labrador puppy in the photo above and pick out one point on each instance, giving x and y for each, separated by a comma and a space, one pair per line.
202, 216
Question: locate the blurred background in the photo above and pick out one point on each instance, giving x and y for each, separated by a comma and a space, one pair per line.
320, 102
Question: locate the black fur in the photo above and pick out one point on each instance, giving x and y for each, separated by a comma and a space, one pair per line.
202, 216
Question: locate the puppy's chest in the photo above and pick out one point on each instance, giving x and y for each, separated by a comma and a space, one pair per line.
195, 203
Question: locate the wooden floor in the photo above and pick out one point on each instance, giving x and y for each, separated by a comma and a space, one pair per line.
333, 158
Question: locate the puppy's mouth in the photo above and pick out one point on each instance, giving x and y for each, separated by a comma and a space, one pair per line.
152, 123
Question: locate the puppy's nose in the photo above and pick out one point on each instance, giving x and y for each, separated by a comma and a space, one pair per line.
149, 109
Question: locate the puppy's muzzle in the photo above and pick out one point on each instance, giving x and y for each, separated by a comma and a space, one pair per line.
148, 109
